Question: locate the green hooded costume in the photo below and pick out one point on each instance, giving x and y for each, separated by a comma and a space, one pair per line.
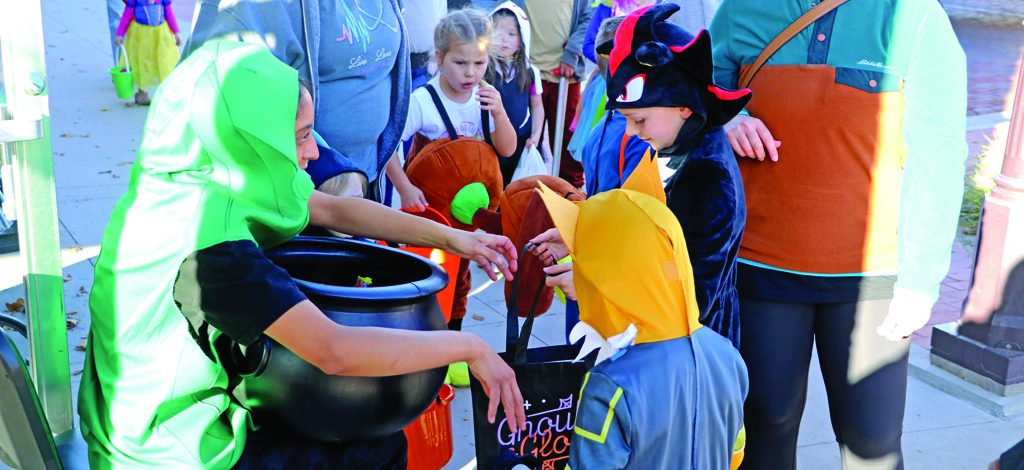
217, 164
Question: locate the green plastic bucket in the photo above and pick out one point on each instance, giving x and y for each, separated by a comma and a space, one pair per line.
124, 80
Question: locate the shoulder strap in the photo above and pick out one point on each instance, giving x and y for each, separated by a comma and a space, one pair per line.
452, 134
791, 31
485, 123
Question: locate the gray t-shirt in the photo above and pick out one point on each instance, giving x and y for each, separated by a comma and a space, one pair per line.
358, 43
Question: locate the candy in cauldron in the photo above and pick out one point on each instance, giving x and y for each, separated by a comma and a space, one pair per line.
290, 394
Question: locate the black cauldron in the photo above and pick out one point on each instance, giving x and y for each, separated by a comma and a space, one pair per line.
287, 393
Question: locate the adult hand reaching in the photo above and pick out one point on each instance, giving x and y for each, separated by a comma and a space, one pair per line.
486, 250
499, 383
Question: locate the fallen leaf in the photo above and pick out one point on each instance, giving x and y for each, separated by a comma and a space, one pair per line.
72, 322
106, 172
478, 317
126, 105
103, 110
67, 134
81, 290
126, 162
67, 277
77, 372
73, 312
75, 248
81, 344
16, 306
84, 135
115, 177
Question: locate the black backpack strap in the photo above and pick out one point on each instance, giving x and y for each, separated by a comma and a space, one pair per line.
452, 133
485, 122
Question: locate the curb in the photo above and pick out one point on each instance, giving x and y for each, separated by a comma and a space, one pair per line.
923, 368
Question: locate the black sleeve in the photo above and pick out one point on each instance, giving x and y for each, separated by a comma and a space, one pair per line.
233, 287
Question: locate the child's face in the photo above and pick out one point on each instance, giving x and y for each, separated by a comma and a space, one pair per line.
656, 126
464, 65
305, 145
506, 38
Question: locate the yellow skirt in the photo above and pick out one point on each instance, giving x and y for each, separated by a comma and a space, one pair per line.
152, 53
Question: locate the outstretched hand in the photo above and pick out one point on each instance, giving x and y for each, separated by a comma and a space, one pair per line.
488, 251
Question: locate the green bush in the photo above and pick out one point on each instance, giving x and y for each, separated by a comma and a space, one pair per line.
979, 182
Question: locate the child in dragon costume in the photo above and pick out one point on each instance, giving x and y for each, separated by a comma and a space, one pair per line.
666, 392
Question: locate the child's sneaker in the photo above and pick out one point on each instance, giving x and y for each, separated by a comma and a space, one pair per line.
142, 98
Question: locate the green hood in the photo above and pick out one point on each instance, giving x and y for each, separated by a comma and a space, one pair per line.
217, 163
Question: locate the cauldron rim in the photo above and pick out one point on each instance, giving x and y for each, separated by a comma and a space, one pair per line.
425, 287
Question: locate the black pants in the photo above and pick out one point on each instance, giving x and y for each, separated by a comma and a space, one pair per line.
272, 451
865, 380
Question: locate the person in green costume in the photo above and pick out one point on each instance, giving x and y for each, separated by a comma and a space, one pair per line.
218, 177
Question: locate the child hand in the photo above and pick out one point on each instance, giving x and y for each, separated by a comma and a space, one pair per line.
532, 141
490, 99
560, 275
177, 39
413, 199
119, 40
549, 247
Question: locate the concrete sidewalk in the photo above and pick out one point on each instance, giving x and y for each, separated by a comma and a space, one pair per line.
95, 137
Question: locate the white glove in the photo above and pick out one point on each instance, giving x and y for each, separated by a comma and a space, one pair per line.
908, 312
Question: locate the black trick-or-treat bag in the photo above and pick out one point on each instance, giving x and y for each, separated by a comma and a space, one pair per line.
550, 383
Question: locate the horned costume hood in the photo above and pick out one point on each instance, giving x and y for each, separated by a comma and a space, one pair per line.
654, 63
